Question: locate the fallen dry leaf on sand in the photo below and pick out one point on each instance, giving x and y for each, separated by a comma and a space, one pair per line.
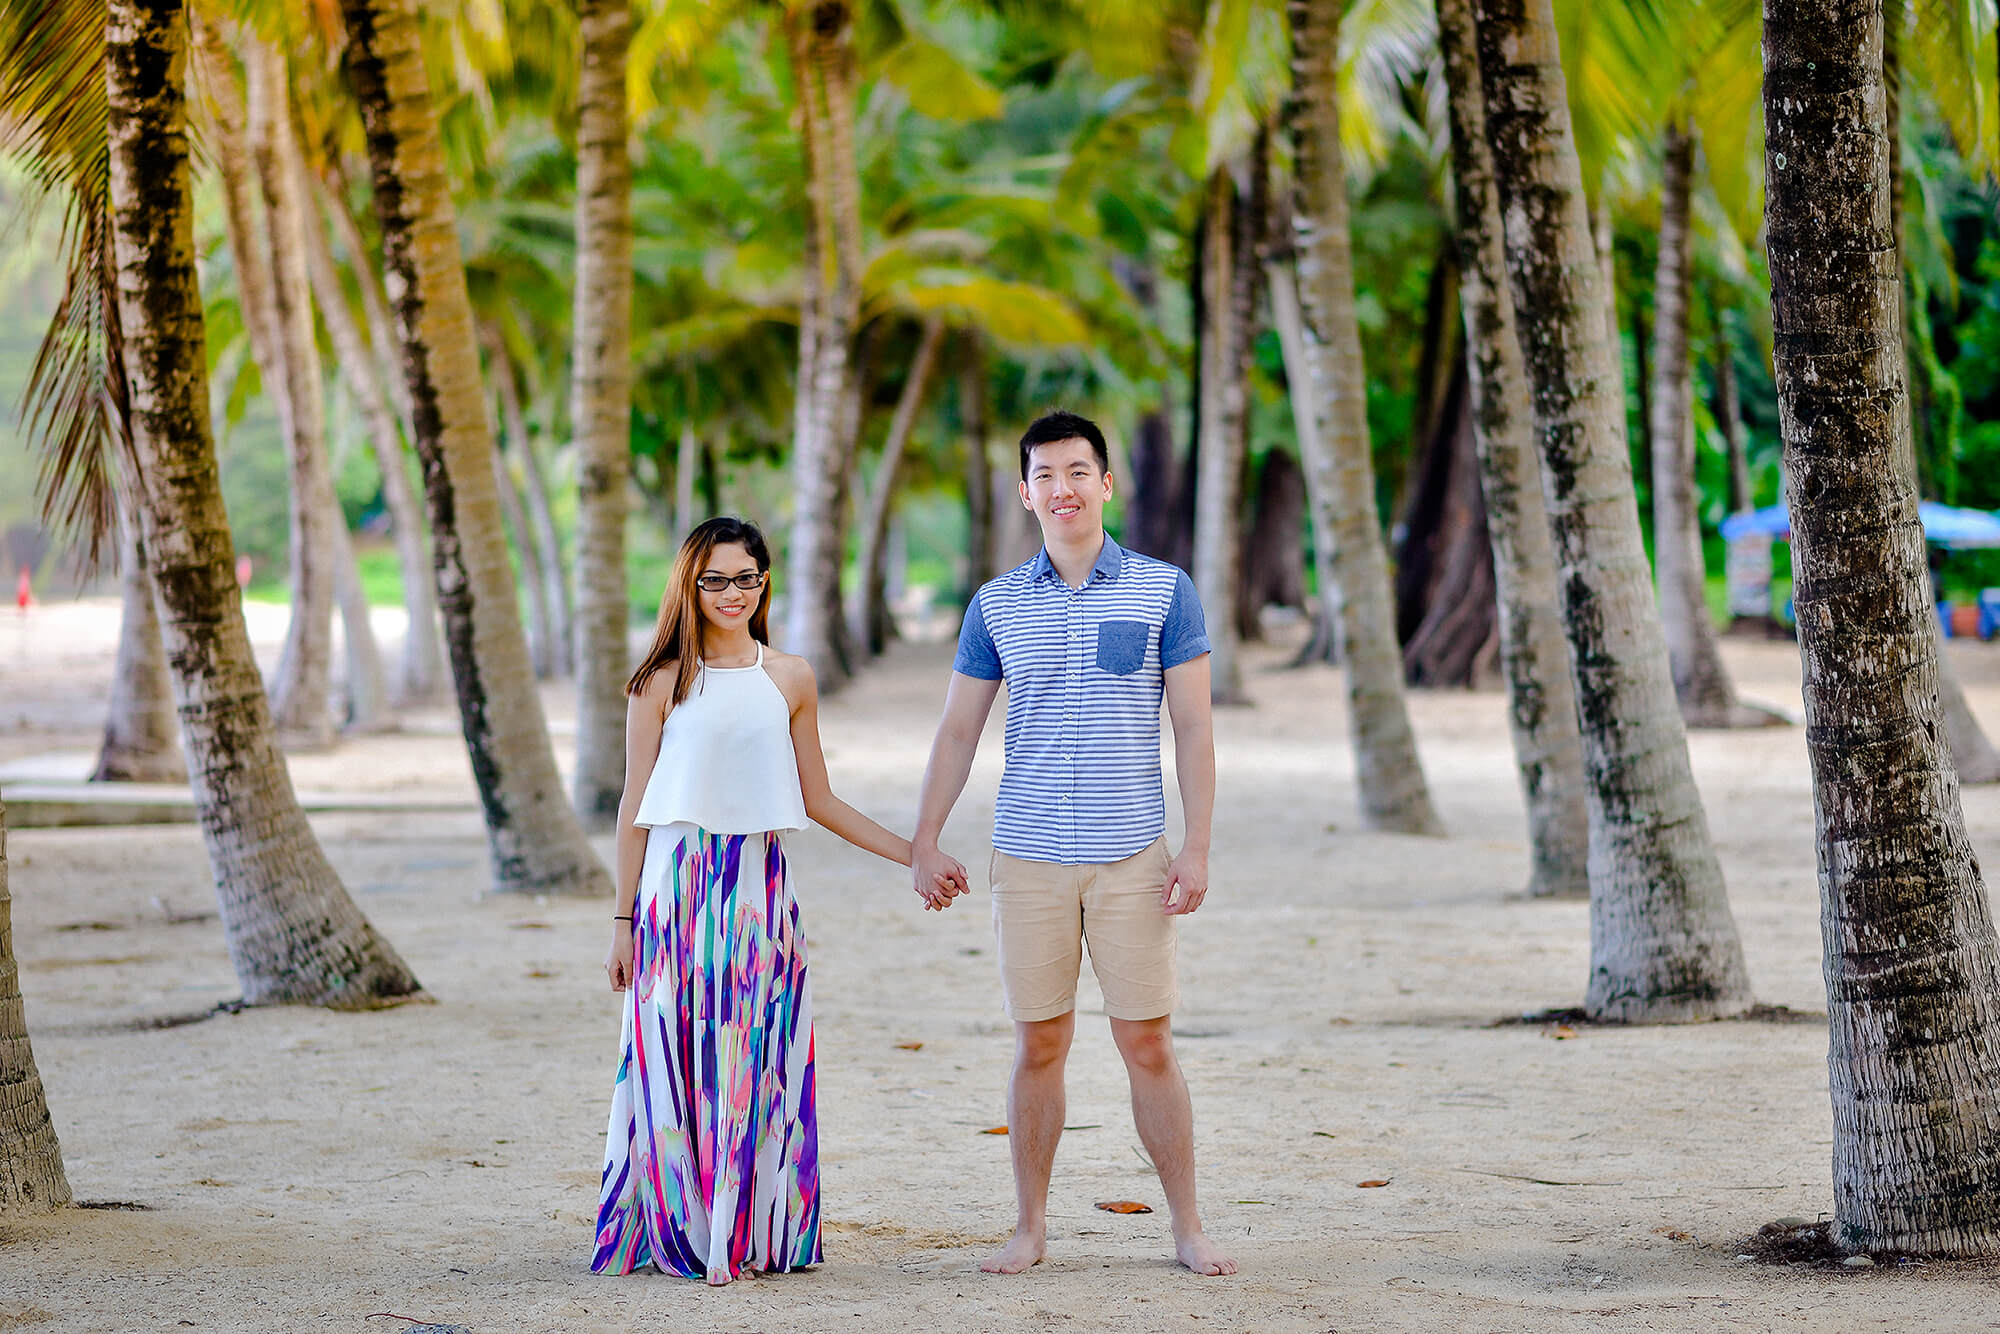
1124, 1207
909, 1046
1370, 1185
994, 1130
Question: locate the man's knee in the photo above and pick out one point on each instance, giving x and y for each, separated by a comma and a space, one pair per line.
1043, 1043
1146, 1044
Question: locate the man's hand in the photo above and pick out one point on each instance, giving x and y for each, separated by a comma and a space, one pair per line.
937, 877
1187, 883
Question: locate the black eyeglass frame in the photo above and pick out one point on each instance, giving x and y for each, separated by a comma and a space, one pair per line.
722, 581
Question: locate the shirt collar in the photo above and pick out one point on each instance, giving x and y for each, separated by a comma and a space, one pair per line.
1110, 560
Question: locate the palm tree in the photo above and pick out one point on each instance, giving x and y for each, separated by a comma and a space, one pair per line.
1702, 686
601, 410
420, 676
827, 417
1663, 943
1912, 963
534, 836
31, 1165
1230, 229
141, 739
1339, 469
1541, 702
873, 627
290, 361
293, 932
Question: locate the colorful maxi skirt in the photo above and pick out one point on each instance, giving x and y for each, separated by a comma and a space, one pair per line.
711, 1160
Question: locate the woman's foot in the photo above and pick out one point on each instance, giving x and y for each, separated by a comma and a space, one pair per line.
1019, 1255
1203, 1256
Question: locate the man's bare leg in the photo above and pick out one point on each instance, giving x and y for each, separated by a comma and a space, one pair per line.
1034, 1124
1165, 1118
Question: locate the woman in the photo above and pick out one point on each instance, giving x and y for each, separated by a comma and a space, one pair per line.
711, 1160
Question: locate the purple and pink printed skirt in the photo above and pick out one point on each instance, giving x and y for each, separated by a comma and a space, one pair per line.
711, 1160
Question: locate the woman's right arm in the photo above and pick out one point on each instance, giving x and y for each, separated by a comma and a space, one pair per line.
645, 715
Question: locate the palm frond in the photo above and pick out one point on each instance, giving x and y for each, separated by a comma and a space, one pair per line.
74, 409
1949, 49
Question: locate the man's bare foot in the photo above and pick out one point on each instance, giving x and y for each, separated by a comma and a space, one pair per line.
1203, 1256
1019, 1255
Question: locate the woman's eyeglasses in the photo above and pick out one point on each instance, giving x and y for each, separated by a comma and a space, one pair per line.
715, 583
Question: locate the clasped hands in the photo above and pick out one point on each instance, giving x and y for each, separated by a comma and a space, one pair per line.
937, 877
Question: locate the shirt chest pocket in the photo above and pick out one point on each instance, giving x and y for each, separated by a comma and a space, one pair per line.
1121, 646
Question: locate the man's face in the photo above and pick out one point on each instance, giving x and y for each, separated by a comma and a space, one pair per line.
1066, 489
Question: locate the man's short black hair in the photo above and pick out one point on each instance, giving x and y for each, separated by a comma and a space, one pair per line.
1054, 427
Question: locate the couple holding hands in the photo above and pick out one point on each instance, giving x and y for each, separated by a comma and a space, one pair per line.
711, 1162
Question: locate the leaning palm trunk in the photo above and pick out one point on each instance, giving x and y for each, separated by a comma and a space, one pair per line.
366, 684
1224, 429
826, 418
1911, 960
293, 932
532, 516
141, 739
1541, 701
544, 641
601, 409
420, 674
300, 692
31, 1165
874, 627
978, 461
1663, 943
1701, 683
1340, 474
536, 843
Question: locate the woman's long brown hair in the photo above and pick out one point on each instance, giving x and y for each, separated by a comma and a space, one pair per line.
677, 638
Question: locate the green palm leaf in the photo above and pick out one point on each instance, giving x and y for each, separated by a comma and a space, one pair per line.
53, 122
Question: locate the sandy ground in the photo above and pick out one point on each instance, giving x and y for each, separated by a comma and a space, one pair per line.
301, 1170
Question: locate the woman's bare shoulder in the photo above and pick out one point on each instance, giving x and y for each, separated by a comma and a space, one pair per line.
793, 674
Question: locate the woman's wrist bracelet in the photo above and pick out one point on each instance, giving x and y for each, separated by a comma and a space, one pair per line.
620, 917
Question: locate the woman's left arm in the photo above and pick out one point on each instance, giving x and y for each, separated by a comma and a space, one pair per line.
821, 805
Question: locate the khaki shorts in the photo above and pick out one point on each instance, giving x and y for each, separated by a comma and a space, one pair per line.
1043, 914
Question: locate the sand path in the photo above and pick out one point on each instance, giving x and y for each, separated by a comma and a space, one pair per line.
302, 1170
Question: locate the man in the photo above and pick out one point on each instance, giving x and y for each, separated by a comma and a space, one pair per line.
1088, 637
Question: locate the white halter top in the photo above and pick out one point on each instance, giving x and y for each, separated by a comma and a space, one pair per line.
726, 760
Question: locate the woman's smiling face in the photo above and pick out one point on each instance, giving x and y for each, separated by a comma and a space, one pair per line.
729, 607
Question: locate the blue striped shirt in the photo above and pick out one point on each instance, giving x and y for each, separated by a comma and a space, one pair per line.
1085, 670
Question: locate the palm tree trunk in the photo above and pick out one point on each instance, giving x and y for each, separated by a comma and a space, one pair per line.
141, 739
1729, 416
529, 517
1340, 472
1224, 430
1978, 760
1663, 943
1701, 683
1289, 322
421, 673
536, 843
31, 1165
1541, 700
336, 193
877, 627
601, 409
293, 932
301, 693
367, 685
827, 417
972, 423
687, 465
1912, 963
543, 638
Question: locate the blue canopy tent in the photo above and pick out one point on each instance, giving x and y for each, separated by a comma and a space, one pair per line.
1946, 525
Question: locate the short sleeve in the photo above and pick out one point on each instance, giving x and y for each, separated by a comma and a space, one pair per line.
977, 656
1184, 635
